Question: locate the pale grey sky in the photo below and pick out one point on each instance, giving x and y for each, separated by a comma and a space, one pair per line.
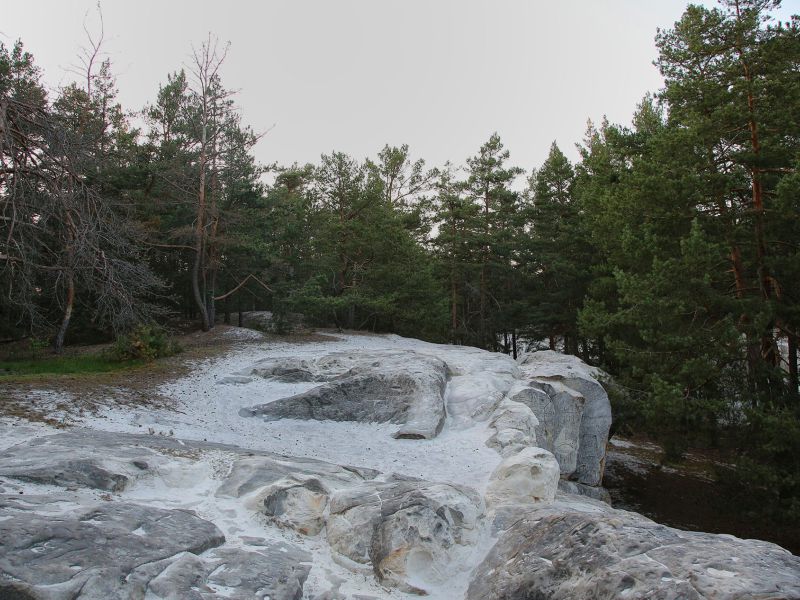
353, 75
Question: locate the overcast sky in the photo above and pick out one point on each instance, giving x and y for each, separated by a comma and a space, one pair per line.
353, 75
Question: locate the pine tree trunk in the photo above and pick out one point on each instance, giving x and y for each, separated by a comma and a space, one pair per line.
482, 315
514, 342
793, 382
484, 261
58, 343
213, 264
198, 240
211, 304
69, 303
768, 349
453, 308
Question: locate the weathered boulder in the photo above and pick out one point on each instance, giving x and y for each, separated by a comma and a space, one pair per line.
527, 477
558, 410
561, 552
545, 370
514, 426
407, 530
297, 503
391, 386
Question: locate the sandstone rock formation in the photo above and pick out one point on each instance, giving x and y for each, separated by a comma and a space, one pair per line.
390, 386
119, 550
571, 550
568, 399
89, 514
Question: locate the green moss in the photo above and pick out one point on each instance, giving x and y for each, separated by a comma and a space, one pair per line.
64, 365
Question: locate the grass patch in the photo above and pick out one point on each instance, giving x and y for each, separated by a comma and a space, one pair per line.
64, 365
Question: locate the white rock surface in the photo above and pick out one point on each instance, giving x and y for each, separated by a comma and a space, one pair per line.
514, 426
310, 507
526, 478
384, 386
565, 379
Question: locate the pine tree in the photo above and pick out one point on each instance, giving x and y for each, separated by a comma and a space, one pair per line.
559, 257
488, 185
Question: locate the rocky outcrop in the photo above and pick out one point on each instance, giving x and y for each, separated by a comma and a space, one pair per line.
380, 387
558, 411
87, 514
119, 550
567, 551
573, 410
403, 529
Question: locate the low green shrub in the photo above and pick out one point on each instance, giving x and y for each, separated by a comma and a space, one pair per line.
145, 342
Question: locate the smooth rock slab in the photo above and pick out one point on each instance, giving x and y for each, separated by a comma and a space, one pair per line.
389, 386
112, 461
74, 460
89, 553
255, 472
277, 572
558, 553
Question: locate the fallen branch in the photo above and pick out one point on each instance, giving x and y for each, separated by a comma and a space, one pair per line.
241, 283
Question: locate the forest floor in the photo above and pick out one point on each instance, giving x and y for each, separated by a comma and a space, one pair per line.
686, 495
42, 397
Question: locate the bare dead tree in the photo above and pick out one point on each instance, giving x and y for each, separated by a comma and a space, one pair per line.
60, 237
206, 62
